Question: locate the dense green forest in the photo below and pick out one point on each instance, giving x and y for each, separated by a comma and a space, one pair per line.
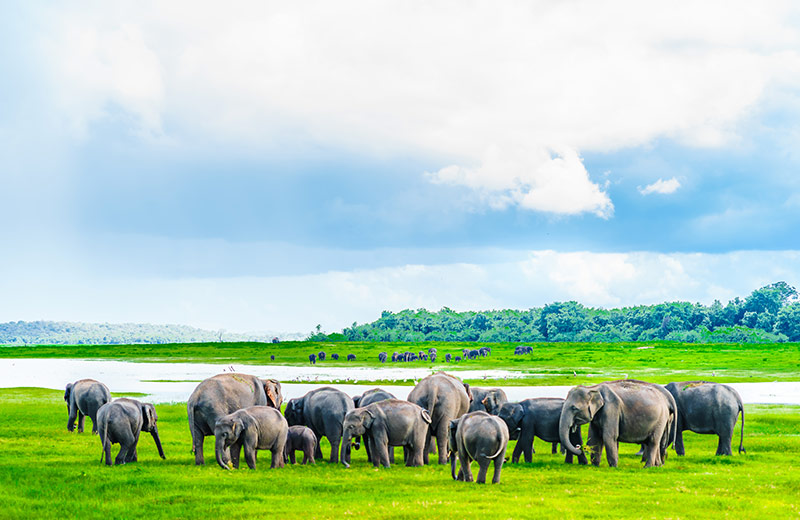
769, 314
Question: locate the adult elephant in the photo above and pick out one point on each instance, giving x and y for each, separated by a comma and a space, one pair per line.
221, 395
323, 410
446, 398
627, 411
85, 397
121, 421
385, 424
487, 399
538, 417
367, 398
709, 408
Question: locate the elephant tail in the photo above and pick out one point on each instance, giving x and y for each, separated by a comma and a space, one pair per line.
104, 442
741, 435
499, 450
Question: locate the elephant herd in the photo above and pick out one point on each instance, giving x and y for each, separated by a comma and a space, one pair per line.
442, 415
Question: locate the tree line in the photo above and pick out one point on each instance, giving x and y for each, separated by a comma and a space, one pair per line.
769, 314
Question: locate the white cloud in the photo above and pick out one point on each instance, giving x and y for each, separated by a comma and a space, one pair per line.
490, 87
664, 187
335, 299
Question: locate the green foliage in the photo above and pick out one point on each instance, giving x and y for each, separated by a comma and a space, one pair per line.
47, 472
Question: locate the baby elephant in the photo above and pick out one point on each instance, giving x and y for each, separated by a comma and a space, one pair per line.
255, 428
481, 437
303, 439
120, 422
391, 422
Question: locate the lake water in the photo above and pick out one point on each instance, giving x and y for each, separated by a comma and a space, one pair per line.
174, 382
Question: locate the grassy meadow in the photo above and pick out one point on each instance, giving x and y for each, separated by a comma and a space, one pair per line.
549, 364
47, 472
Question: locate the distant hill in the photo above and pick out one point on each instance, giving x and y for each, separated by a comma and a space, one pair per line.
78, 333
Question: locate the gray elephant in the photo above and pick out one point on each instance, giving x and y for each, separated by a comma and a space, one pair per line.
323, 410
367, 398
487, 399
120, 422
481, 437
303, 439
85, 397
221, 395
705, 407
253, 428
387, 423
537, 417
627, 411
446, 398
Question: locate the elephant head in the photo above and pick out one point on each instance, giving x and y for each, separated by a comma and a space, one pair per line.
356, 423
580, 407
453, 447
67, 394
226, 431
512, 414
294, 412
490, 403
272, 387
149, 420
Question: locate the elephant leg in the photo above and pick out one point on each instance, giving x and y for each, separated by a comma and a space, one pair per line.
277, 458
380, 450
554, 449
122, 455
391, 455
73, 415
197, 446
612, 450
595, 443
577, 440
442, 436
679, 448
425, 450
724, 443
81, 419
525, 443
235, 452
517, 452
335, 442
483, 468
292, 456
466, 467
498, 466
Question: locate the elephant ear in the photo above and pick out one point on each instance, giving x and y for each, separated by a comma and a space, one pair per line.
369, 418
426, 416
596, 402
469, 392
356, 400
272, 388
67, 392
147, 417
518, 414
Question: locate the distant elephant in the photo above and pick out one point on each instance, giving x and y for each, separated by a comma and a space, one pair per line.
85, 397
351, 357
323, 410
388, 423
253, 428
480, 437
300, 438
321, 356
446, 398
312, 358
382, 357
537, 417
458, 358
447, 358
120, 422
487, 399
705, 407
366, 399
221, 395
620, 411
335, 357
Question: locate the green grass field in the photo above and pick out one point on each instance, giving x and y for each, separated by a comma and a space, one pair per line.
549, 364
47, 472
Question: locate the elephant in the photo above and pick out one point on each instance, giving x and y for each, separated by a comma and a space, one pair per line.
254, 428
386, 423
120, 422
303, 439
382, 357
351, 357
537, 417
312, 358
323, 410
481, 437
626, 410
446, 398
85, 397
321, 356
458, 358
335, 357
705, 407
367, 398
221, 395
447, 358
487, 399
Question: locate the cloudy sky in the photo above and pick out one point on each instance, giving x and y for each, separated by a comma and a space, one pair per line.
273, 166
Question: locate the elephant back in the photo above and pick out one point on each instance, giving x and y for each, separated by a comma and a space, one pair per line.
222, 395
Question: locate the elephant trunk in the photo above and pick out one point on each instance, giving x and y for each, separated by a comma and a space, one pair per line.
345, 456
564, 426
157, 439
221, 453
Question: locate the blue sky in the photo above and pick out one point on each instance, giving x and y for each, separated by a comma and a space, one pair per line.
272, 167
